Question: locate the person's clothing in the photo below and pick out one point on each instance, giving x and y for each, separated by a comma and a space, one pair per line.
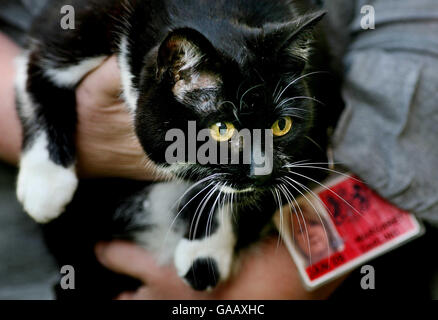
16, 17
388, 134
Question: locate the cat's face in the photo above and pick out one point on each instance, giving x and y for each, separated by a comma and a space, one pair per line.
260, 85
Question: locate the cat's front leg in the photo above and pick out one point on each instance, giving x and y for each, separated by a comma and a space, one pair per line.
46, 105
44, 187
206, 260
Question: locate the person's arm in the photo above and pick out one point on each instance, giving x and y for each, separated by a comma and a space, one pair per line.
10, 128
388, 133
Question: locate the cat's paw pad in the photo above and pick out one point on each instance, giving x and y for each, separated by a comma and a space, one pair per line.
44, 189
203, 274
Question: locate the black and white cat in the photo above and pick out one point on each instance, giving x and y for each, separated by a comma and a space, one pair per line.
224, 64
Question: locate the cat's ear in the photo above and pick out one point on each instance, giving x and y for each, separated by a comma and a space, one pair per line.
292, 38
183, 51
191, 65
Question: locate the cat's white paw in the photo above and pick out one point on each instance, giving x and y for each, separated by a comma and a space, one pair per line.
44, 188
187, 252
203, 263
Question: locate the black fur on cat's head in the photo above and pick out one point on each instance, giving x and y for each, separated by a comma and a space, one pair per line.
230, 72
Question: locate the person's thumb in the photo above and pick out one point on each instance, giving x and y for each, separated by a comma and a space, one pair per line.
102, 82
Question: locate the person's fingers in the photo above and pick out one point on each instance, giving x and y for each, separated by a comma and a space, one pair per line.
162, 282
128, 259
126, 296
143, 293
104, 81
168, 289
267, 271
106, 78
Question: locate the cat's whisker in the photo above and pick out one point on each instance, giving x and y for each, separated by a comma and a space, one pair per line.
304, 221
188, 202
305, 188
210, 177
238, 89
280, 206
200, 209
290, 208
178, 202
295, 81
225, 197
194, 197
277, 205
318, 213
181, 210
291, 114
314, 142
207, 225
229, 102
303, 162
246, 92
310, 191
212, 212
295, 163
289, 100
285, 102
328, 189
231, 201
325, 169
298, 220
217, 188
274, 95
208, 228
235, 109
289, 202
281, 217
191, 235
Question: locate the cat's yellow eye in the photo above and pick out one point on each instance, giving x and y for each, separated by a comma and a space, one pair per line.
282, 126
222, 131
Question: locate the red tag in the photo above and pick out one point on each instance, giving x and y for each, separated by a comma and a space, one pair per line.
346, 226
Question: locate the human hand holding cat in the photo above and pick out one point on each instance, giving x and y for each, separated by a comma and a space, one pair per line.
107, 145
266, 272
